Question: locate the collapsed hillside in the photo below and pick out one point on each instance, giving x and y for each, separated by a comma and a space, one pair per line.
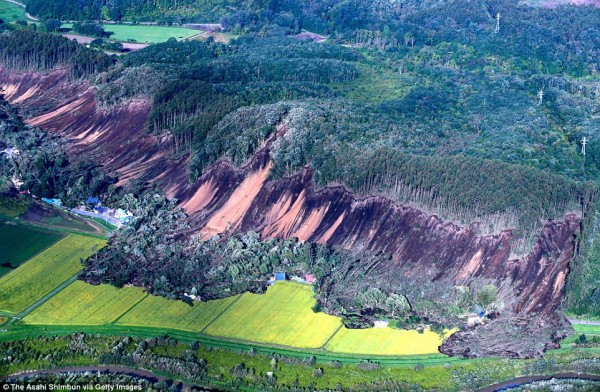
421, 197
225, 198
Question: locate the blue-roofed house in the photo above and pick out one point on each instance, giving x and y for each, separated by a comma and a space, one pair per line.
279, 275
54, 202
93, 201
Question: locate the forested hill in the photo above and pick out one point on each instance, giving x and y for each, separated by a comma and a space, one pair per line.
423, 104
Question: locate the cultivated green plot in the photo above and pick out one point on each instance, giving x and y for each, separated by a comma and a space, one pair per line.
83, 304
160, 312
10, 12
385, 341
18, 243
281, 316
27, 284
587, 329
147, 34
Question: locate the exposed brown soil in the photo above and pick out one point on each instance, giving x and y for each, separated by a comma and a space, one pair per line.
226, 197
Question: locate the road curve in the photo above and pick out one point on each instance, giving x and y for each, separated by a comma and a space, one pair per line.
27, 14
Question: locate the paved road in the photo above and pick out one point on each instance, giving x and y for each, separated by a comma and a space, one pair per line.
111, 220
585, 322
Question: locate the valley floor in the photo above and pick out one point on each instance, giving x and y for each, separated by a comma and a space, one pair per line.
43, 298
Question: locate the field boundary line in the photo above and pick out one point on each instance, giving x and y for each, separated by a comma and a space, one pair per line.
114, 322
220, 314
331, 337
63, 236
47, 297
31, 258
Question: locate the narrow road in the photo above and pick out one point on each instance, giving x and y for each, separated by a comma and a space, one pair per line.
45, 298
27, 14
583, 322
111, 220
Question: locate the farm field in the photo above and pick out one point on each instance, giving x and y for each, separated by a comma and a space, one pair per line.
587, 329
83, 304
10, 12
46, 271
19, 243
147, 34
385, 341
281, 316
161, 312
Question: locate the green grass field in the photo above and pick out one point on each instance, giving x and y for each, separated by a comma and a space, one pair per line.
384, 341
83, 304
147, 34
10, 12
160, 312
19, 243
24, 286
281, 316
587, 329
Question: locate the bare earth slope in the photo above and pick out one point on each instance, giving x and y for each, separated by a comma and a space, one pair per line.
227, 197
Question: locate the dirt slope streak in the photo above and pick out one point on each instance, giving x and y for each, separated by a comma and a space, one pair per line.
227, 197
115, 137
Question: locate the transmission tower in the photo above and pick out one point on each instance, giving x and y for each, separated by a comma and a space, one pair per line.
497, 22
583, 144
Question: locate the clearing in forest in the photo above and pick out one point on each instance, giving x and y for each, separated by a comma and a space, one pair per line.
161, 312
10, 12
147, 34
385, 341
46, 271
83, 304
19, 243
282, 316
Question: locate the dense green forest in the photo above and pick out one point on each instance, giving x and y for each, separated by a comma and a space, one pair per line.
421, 101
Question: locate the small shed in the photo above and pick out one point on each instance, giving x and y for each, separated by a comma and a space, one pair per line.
279, 275
381, 323
309, 278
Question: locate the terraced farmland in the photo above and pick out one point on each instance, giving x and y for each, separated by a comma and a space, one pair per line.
281, 316
160, 312
46, 271
385, 341
83, 304
19, 243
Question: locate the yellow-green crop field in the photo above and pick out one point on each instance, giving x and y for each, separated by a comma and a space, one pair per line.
385, 341
281, 316
161, 312
46, 271
83, 304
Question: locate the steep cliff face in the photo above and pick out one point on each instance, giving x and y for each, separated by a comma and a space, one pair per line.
226, 198
419, 243
115, 137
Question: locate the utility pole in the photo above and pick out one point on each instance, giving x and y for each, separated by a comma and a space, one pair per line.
497, 22
583, 144
540, 96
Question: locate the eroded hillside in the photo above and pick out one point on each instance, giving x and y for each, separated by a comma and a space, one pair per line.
226, 198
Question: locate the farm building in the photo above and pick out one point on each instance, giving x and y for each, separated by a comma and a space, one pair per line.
54, 202
381, 324
92, 201
279, 275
